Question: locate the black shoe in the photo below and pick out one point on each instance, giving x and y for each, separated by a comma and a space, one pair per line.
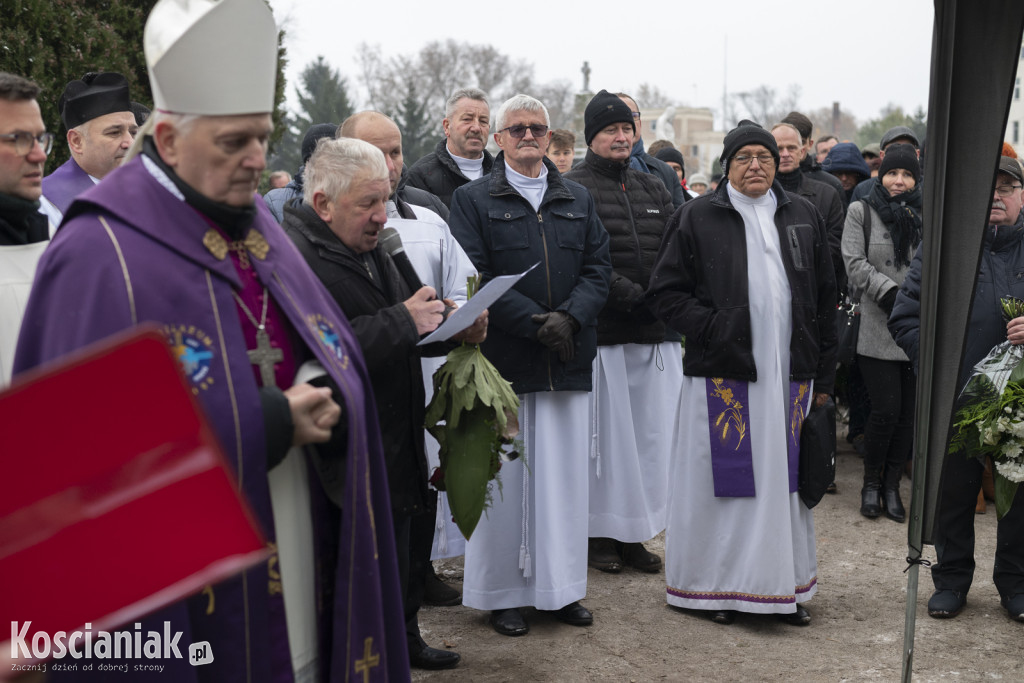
638, 557
946, 603
575, 614
509, 622
437, 593
894, 505
723, 616
1014, 606
801, 617
602, 554
870, 500
433, 659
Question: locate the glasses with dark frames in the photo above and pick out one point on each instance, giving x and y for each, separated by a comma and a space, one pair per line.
518, 131
25, 141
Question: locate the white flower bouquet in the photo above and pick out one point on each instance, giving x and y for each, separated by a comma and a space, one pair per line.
991, 419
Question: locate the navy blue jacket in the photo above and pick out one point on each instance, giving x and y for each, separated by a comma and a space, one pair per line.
503, 235
1000, 274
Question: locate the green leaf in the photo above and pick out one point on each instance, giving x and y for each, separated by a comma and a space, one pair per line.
1005, 491
469, 469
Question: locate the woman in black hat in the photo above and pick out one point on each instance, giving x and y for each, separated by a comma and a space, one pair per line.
890, 217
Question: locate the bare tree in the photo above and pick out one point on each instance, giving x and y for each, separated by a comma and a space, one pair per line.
823, 125
651, 97
559, 98
765, 106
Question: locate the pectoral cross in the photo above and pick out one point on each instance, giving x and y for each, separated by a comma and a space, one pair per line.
265, 356
368, 661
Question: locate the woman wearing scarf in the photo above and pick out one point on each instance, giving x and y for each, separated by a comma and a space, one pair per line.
892, 213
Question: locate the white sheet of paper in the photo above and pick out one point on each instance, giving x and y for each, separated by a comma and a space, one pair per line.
467, 314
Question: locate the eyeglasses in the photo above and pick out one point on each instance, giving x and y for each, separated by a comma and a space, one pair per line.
518, 131
25, 141
1006, 190
635, 114
762, 159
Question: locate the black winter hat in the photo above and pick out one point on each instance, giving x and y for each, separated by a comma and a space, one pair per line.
901, 156
747, 133
603, 110
313, 135
674, 155
94, 95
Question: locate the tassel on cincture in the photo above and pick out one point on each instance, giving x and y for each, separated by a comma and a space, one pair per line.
522, 557
528, 568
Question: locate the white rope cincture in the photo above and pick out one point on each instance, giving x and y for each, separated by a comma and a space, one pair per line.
441, 527
525, 563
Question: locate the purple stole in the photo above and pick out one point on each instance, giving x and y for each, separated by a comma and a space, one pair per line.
732, 465
67, 182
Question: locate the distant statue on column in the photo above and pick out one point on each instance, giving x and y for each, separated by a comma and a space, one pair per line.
586, 76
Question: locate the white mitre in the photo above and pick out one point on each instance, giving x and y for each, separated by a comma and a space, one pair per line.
212, 57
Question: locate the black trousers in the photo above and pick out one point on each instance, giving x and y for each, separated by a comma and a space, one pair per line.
889, 433
414, 536
954, 531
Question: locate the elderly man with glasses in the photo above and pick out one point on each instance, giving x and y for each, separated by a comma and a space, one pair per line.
24, 231
745, 274
1002, 259
530, 549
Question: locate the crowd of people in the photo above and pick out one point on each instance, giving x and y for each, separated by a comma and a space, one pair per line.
669, 336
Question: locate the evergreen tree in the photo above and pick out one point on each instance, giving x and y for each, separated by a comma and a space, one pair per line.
417, 128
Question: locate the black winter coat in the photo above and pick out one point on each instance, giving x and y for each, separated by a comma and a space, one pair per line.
1000, 275
700, 288
503, 235
438, 174
829, 203
388, 338
634, 208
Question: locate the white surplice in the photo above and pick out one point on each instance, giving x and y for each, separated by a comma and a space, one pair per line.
17, 269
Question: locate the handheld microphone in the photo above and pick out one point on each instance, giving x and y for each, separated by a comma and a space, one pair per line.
391, 242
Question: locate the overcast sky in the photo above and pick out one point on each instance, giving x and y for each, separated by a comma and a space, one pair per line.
863, 54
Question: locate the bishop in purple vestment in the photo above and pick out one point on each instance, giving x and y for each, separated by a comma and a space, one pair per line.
176, 237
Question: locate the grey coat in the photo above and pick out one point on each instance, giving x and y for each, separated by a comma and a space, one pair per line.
873, 276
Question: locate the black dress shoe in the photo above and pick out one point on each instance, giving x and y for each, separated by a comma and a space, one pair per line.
1014, 606
603, 555
437, 593
432, 658
946, 603
509, 622
723, 616
639, 557
575, 614
894, 505
801, 617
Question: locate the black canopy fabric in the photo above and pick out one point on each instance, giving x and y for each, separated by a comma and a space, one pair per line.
975, 49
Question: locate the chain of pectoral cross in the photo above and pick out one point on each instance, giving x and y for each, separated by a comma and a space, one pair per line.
264, 355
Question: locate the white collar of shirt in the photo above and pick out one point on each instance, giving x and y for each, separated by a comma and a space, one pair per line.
471, 168
532, 189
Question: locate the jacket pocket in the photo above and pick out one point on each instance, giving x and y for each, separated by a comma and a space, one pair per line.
508, 229
800, 244
570, 228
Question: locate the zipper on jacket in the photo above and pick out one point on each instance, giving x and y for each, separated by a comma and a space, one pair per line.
547, 274
632, 224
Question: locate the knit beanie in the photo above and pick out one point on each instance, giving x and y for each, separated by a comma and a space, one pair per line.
313, 135
603, 110
747, 133
901, 156
667, 154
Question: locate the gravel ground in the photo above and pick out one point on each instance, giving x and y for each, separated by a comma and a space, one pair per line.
856, 633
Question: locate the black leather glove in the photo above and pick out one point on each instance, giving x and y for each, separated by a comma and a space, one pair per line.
556, 332
887, 300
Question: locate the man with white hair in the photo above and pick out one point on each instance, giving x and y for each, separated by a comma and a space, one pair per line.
462, 155
97, 113
177, 238
336, 230
543, 340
